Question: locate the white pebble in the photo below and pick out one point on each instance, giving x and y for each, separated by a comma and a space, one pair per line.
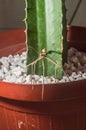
1, 75
5, 70
71, 78
21, 79
11, 78
84, 75
29, 79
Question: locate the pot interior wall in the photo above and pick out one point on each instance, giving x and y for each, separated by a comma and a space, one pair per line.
76, 37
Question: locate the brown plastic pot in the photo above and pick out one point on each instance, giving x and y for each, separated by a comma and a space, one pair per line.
59, 106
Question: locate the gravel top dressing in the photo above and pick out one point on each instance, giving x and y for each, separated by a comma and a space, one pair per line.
13, 69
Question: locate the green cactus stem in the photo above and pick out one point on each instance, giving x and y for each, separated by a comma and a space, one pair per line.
46, 37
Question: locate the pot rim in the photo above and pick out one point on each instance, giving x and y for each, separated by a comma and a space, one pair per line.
45, 93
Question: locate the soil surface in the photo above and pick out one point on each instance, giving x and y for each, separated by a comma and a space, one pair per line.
13, 69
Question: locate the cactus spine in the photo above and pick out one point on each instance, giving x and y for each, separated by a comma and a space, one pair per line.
46, 36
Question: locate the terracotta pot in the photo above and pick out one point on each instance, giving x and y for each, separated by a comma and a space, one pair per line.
59, 106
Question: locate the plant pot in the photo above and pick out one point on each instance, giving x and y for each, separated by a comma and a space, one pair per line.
59, 106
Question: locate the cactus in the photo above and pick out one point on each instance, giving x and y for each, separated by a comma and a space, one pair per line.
46, 37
